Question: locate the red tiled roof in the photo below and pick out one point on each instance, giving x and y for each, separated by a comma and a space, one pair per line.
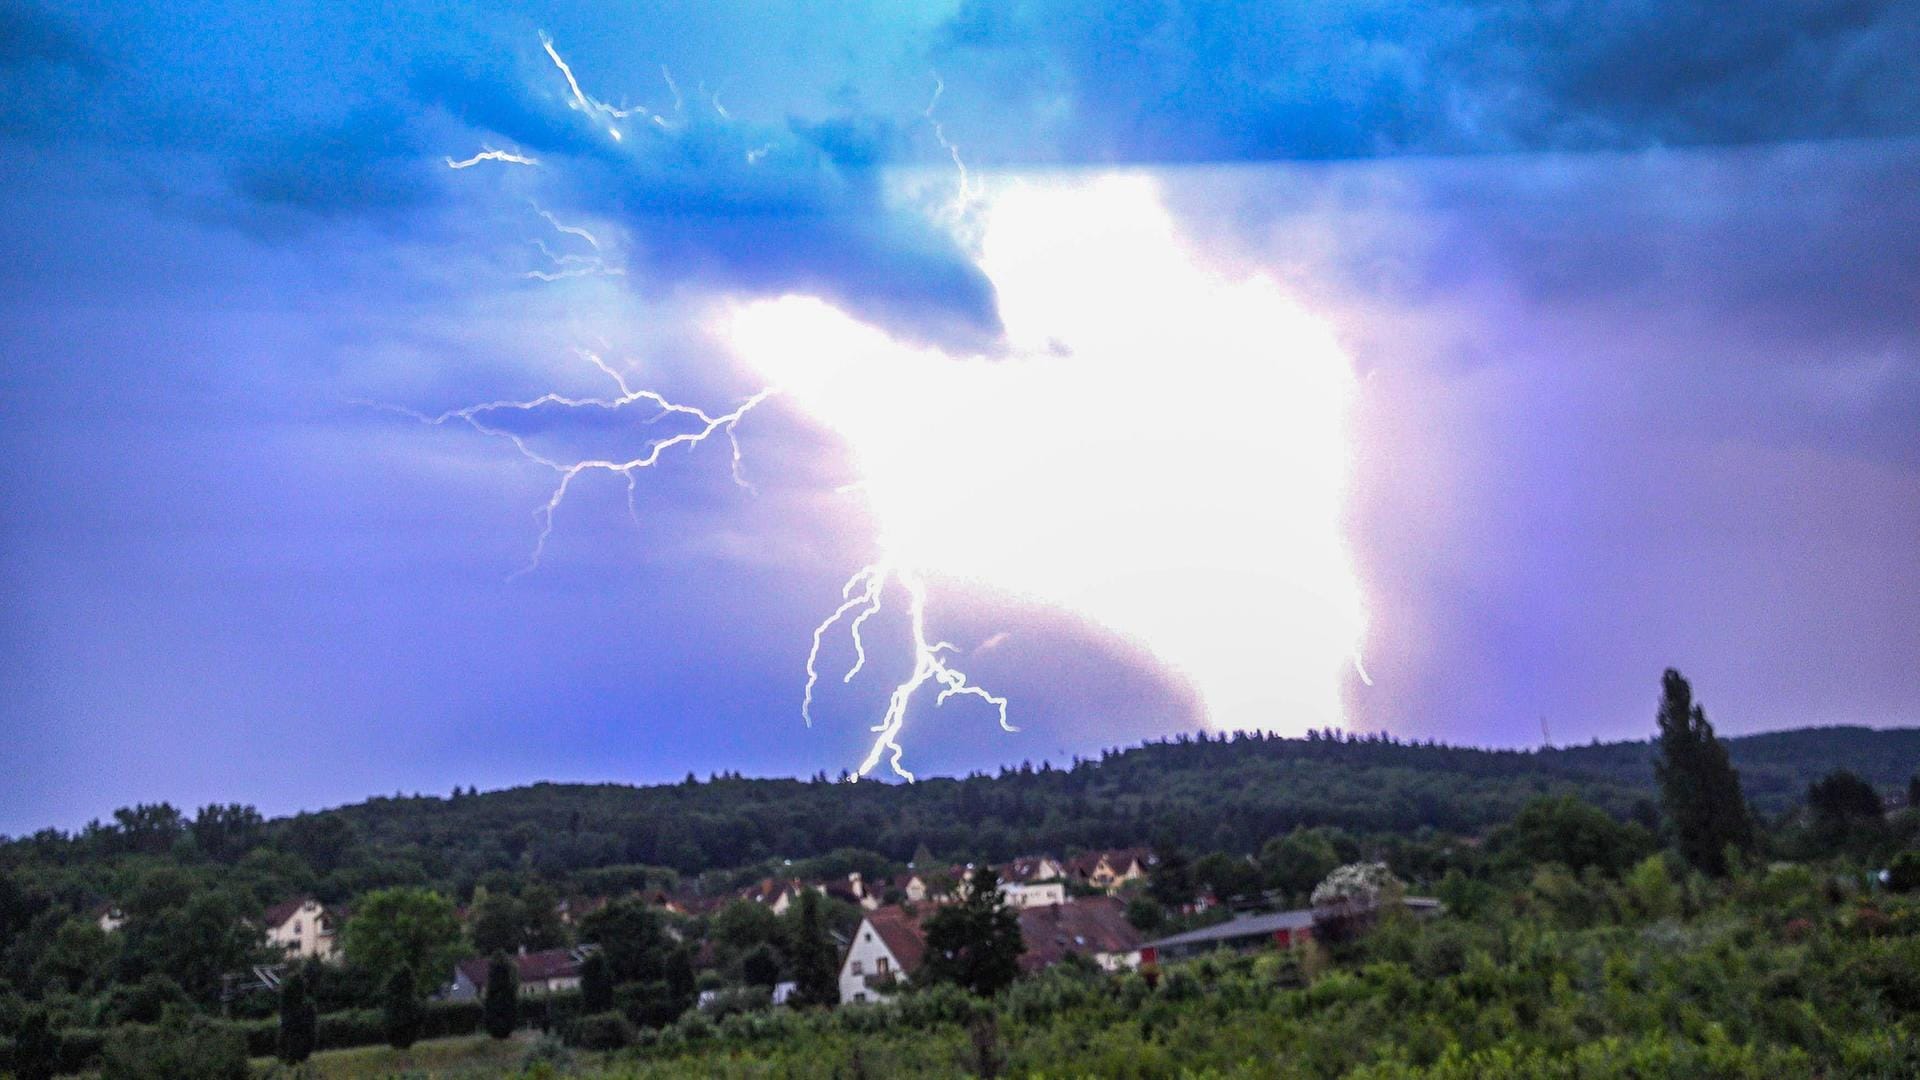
533, 967
900, 929
278, 914
1022, 870
1096, 924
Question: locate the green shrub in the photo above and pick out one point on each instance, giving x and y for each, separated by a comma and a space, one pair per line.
1903, 874
600, 1031
181, 1046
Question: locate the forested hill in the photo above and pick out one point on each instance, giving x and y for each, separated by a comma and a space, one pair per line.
1220, 793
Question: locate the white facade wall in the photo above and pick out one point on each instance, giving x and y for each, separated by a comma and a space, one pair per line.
304, 933
867, 956
1020, 895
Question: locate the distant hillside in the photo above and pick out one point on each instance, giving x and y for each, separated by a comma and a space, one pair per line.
1775, 766
1202, 793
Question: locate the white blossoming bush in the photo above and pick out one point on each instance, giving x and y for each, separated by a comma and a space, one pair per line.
1358, 885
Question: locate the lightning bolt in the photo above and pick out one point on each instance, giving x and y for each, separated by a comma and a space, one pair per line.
704, 426
586, 103
965, 194
571, 265
488, 153
862, 595
863, 592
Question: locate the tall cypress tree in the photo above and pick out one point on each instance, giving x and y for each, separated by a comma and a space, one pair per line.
500, 1007
596, 983
299, 1019
1699, 788
403, 1013
816, 960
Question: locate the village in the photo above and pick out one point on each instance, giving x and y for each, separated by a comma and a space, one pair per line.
1066, 908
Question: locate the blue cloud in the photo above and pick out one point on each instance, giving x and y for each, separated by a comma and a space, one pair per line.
1244, 79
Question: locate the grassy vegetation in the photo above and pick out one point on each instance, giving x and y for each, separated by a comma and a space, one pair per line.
439, 1059
1778, 973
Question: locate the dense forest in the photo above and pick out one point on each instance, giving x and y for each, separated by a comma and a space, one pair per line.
1612, 870
1227, 793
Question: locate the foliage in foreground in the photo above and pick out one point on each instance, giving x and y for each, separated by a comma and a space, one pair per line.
1777, 974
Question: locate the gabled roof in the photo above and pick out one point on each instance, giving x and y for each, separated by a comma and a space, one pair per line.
900, 930
1094, 925
278, 914
1023, 871
532, 967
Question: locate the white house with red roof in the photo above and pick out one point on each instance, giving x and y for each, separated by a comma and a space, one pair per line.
886, 950
301, 928
543, 971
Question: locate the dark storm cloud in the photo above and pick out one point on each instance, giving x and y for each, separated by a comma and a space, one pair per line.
344, 116
796, 206
1166, 81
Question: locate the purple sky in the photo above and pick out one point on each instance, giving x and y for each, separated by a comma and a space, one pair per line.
1634, 324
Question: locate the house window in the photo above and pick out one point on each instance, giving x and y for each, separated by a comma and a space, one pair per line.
880, 965
296, 928
856, 967
869, 935
860, 996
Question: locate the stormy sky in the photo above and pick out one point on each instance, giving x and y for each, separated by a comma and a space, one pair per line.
1630, 296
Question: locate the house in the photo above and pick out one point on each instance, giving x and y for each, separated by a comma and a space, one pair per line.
545, 971
867, 897
887, 948
572, 909
109, 917
301, 928
778, 893
1034, 881
781, 994
1096, 928
1022, 894
1032, 869
1110, 870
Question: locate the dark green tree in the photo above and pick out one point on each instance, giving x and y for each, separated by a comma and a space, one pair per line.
632, 939
405, 927
1573, 833
225, 833
494, 922
1913, 791
975, 943
500, 1007
402, 1013
760, 966
299, 1019
1699, 789
816, 959
1841, 799
683, 988
1145, 913
36, 1045
1171, 880
596, 983
1228, 877
540, 926
1298, 861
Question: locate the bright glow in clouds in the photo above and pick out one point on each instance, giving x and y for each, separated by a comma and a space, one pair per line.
1165, 453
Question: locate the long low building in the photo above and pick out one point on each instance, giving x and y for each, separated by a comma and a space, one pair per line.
1274, 929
